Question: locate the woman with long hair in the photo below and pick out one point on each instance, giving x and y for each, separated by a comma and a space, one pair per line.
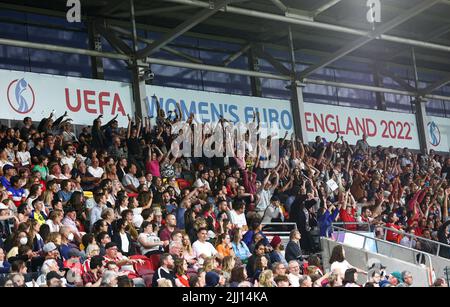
188, 252
350, 277
181, 266
54, 220
238, 275
224, 246
261, 263
228, 264
266, 279
35, 193
108, 216
239, 247
122, 238
37, 240
210, 264
23, 155
339, 264
47, 198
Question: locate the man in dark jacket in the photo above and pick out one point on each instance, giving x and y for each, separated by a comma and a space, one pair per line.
299, 214
164, 271
293, 250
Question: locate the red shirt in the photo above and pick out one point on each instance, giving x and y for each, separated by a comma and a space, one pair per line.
390, 235
348, 218
183, 280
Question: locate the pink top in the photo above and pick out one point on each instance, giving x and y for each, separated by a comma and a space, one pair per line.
152, 167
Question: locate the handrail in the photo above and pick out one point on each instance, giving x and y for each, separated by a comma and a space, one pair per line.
279, 223
281, 233
439, 244
424, 254
348, 223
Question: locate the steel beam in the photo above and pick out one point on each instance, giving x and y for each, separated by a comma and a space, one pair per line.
378, 81
325, 7
297, 102
49, 47
274, 62
420, 110
253, 65
111, 7
318, 25
372, 36
183, 28
280, 5
435, 86
113, 40
233, 57
95, 43
155, 11
149, 42
397, 79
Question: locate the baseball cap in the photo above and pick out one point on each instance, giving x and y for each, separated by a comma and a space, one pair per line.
51, 275
7, 167
3, 206
49, 247
212, 279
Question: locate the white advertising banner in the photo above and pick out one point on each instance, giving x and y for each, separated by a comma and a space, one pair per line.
382, 128
35, 95
438, 129
209, 107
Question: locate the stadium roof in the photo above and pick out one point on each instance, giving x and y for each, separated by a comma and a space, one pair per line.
326, 30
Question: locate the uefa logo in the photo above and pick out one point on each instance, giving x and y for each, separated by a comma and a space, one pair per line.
435, 134
21, 96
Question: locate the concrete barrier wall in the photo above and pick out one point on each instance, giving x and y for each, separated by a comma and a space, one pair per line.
438, 263
360, 257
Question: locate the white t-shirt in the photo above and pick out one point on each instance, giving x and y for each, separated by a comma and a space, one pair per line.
238, 219
96, 172
201, 183
294, 280
264, 199
148, 238
68, 160
203, 248
53, 227
130, 179
23, 157
340, 267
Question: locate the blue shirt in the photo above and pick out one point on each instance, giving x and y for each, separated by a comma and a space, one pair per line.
5, 267
5, 182
248, 237
325, 221
241, 250
64, 250
179, 214
64, 196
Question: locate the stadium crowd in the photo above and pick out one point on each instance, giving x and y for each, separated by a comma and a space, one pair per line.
113, 207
